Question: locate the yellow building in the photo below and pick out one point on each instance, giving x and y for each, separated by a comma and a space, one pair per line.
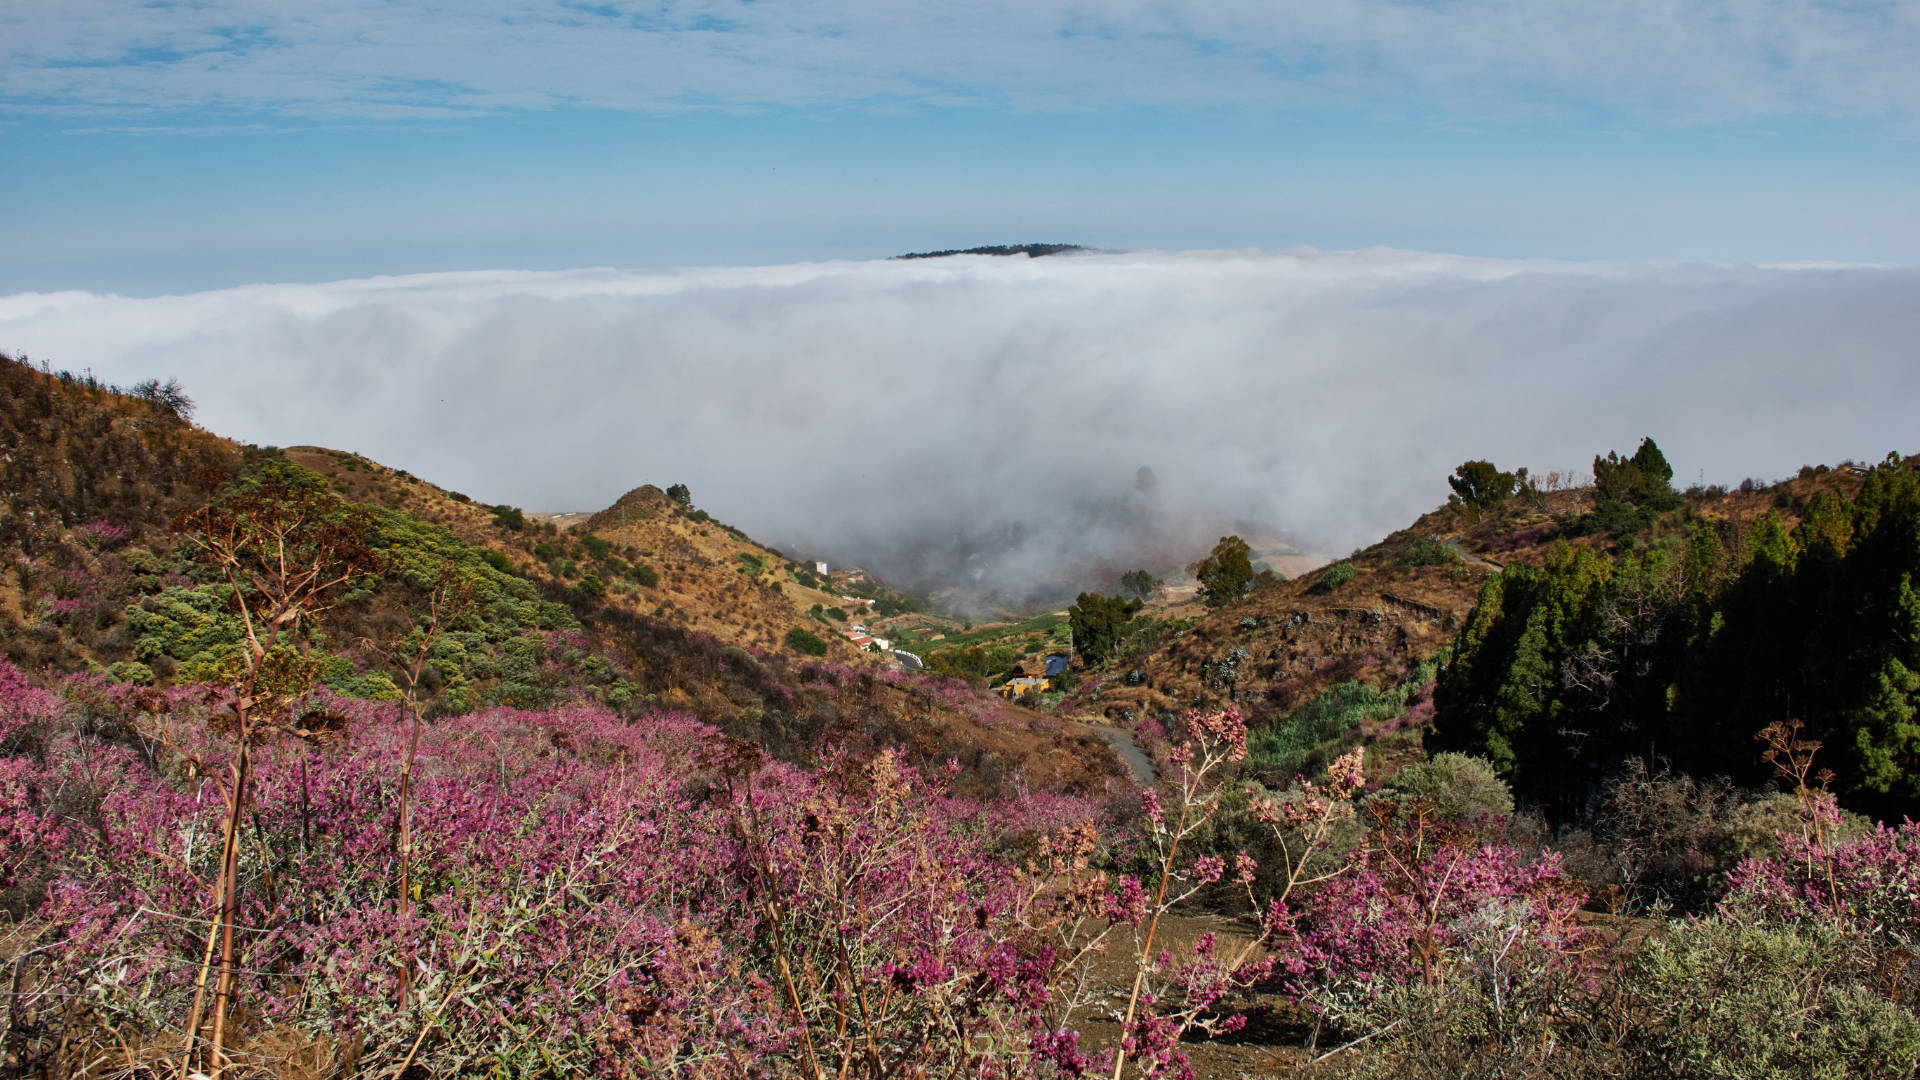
1013, 688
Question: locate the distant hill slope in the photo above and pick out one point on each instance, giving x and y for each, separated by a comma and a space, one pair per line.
1317, 669
94, 577
646, 555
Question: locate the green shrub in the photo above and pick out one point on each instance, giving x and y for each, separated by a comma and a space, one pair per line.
1754, 827
1428, 552
131, 671
1731, 995
1456, 785
1303, 740
1226, 573
1098, 623
806, 642
1336, 575
596, 547
182, 623
645, 575
591, 586
496, 560
509, 517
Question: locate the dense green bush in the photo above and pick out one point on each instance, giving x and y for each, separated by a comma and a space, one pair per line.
1735, 995
1336, 575
1226, 573
1455, 785
806, 642
1428, 552
1480, 486
1098, 623
183, 622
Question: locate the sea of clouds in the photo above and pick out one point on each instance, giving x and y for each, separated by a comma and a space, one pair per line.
984, 421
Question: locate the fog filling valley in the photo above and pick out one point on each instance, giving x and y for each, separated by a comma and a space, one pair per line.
980, 425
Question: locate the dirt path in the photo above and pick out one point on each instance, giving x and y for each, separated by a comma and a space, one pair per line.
1137, 760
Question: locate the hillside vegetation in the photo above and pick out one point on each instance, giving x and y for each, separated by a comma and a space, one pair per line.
551, 615
1697, 628
1562, 632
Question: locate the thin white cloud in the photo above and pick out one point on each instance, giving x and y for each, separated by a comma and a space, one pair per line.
1676, 60
913, 413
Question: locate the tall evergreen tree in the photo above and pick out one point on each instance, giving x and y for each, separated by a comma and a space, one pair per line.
1226, 573
1098, 621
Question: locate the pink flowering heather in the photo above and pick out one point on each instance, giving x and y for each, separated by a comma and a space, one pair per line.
589, 893
98, 535
1871, 883
1405, 911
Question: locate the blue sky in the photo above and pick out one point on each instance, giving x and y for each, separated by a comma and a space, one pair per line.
161, 147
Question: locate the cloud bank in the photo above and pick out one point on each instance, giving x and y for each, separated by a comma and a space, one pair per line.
984, 420
1685, 60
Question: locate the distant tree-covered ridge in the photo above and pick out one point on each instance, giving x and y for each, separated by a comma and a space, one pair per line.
1031, 251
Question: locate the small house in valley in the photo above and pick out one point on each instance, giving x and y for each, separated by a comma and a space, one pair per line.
1013, 688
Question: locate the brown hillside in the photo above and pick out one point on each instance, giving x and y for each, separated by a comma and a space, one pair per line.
75, 452
92, 478
704, 585
709, 637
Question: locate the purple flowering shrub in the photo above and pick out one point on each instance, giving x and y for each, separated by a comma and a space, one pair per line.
1865, 887
588, 893
1807, 967
1410, 904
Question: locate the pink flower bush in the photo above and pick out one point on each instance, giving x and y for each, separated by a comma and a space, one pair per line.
589, 893
592, 894
1870, 884
1425, 905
